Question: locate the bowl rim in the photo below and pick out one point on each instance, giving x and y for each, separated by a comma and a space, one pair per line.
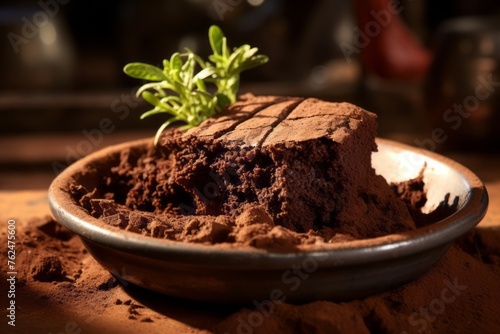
356, 252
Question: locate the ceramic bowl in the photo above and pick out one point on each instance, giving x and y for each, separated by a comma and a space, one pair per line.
341, 272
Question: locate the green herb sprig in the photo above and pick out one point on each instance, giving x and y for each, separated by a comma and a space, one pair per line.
180, 88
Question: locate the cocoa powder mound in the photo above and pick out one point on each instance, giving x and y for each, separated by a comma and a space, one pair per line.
59, 286
318, 317
41, 246
459, 295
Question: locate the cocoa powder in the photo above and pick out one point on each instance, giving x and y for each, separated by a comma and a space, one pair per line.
459, 295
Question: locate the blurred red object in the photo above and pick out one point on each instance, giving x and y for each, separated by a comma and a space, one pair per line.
390, 49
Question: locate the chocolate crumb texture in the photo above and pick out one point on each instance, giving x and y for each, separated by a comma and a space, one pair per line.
269, 172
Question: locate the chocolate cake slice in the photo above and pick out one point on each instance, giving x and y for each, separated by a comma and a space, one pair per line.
306, 163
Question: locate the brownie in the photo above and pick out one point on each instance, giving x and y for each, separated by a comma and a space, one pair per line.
271, 172
305, 162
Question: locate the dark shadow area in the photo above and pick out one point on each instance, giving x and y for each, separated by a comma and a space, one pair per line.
483, 243
200, 315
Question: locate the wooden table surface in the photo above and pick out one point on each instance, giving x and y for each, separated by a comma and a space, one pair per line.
170, 316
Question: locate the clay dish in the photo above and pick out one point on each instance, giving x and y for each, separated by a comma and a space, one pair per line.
341, 271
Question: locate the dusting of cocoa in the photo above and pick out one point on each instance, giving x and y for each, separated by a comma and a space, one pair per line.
459, 295
46, 268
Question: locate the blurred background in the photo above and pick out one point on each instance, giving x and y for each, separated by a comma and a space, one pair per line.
428, 69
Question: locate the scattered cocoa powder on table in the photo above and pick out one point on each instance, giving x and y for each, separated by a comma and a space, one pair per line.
61, 286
